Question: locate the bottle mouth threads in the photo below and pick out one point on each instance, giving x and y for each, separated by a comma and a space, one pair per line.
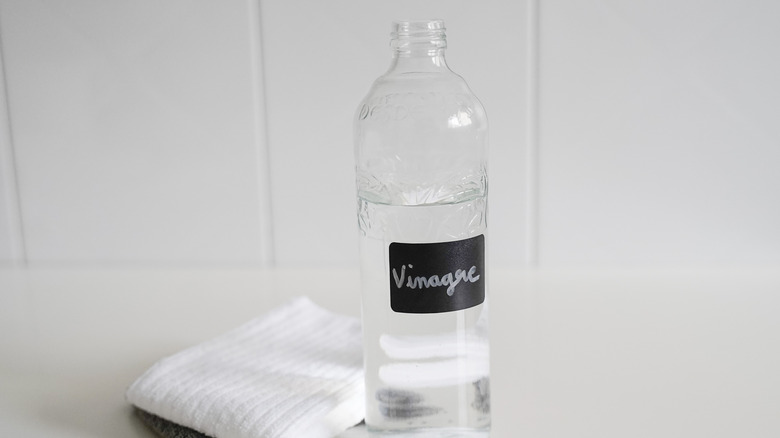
418, 35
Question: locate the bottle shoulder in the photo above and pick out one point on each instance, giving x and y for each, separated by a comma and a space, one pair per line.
420, 95
418, 83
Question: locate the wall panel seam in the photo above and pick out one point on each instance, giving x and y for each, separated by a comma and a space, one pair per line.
9, 170
532, 135
267, 246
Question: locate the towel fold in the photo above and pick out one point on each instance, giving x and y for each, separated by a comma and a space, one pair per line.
296, 372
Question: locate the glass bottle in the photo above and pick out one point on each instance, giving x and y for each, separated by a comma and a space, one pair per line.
421, 165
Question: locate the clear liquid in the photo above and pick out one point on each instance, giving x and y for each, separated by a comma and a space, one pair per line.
424, 372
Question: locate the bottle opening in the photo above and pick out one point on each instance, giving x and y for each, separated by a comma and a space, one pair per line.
418, 35
417, 27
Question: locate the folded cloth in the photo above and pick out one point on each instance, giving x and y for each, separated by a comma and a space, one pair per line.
296, 372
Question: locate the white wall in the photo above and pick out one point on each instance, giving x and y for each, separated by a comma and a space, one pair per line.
659, 134
134, 131
219, 133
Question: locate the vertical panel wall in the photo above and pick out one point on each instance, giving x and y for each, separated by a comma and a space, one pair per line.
135, 130
659, 135
8, 236
11, 240
139, 128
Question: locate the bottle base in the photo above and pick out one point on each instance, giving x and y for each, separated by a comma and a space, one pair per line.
429, 433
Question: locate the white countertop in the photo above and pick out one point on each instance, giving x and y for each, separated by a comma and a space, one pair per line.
606, 353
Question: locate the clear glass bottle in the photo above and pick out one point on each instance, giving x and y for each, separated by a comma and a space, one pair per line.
421, 164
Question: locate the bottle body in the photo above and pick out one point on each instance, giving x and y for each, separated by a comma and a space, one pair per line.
420, 143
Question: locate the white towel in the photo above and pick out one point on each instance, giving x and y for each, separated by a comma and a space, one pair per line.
296, 372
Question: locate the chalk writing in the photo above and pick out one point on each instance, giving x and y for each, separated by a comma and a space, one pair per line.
450, 279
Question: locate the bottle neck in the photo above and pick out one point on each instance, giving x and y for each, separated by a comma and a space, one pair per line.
418, 46
419, 62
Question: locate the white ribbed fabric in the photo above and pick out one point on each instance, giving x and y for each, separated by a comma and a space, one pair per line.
296, 372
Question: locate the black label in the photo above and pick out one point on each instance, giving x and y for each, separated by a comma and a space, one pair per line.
437, 277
